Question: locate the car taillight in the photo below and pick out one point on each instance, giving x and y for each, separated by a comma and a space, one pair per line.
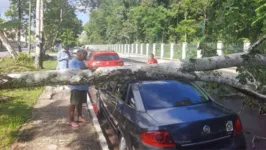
237, 127
157, 139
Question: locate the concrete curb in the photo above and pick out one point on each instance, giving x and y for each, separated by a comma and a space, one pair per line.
101, 138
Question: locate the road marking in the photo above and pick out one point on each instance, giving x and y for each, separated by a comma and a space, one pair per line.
101, 138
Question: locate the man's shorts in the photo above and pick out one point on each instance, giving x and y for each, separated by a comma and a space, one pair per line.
78, 97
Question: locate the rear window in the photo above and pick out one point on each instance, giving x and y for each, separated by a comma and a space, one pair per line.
167, 94
106, 57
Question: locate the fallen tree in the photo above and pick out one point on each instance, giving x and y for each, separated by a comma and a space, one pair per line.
173, 70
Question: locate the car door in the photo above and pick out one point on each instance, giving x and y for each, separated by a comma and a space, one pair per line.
120, 96
129, 116
112, 102
107, 99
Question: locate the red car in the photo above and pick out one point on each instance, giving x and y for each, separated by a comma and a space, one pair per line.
98, 59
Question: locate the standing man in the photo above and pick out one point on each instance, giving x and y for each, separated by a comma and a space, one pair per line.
152, 60
78, 92
63, 58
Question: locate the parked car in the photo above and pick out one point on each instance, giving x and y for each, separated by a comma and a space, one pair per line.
98, 59
168, 115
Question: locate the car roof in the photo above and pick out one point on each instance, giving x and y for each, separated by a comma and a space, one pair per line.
104, 52
156, 82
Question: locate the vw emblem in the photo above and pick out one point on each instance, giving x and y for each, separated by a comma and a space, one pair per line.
206, 129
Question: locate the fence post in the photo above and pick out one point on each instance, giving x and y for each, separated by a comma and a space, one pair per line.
198, 51
141, 49
132, 48
125, 49
220, 48
246, 45
147, 49
172, 51
162, 50
137, 48
184, 49
128, 48
154, 49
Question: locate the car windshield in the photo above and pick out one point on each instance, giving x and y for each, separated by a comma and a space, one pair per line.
106, 57
167, 94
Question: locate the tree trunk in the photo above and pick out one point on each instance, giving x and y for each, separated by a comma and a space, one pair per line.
19, 27
103, 75
6, 43
184, 70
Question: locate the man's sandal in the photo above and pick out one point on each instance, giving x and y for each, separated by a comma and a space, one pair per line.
74, 124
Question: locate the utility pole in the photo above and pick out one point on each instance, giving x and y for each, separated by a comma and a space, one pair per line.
29, 34
41, 32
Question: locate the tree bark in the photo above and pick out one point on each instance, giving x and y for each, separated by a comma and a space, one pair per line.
19, 27
6, 43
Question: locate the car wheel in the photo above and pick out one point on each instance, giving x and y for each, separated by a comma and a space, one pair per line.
122, 144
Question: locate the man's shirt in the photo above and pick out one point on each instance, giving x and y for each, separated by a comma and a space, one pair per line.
78, 64
152, 61
62, 61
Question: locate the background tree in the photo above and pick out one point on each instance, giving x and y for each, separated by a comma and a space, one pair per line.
6, 27
60, 23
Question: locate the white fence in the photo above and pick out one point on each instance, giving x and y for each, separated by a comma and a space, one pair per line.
171, 51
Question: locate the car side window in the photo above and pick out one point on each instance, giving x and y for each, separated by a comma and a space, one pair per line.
131, 99
110, 86
121, 91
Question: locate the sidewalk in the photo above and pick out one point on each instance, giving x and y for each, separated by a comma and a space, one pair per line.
48, 128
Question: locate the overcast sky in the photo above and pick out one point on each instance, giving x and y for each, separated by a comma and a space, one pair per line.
4, 4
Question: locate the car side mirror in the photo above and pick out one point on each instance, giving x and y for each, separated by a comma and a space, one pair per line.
132, 101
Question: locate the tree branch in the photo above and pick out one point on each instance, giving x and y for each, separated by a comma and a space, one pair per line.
256, 44
218, 62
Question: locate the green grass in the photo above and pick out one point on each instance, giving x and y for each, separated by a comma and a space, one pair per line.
16, 107
50, 64
15, 112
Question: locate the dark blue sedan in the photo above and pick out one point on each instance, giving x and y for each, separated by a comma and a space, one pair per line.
168, 115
